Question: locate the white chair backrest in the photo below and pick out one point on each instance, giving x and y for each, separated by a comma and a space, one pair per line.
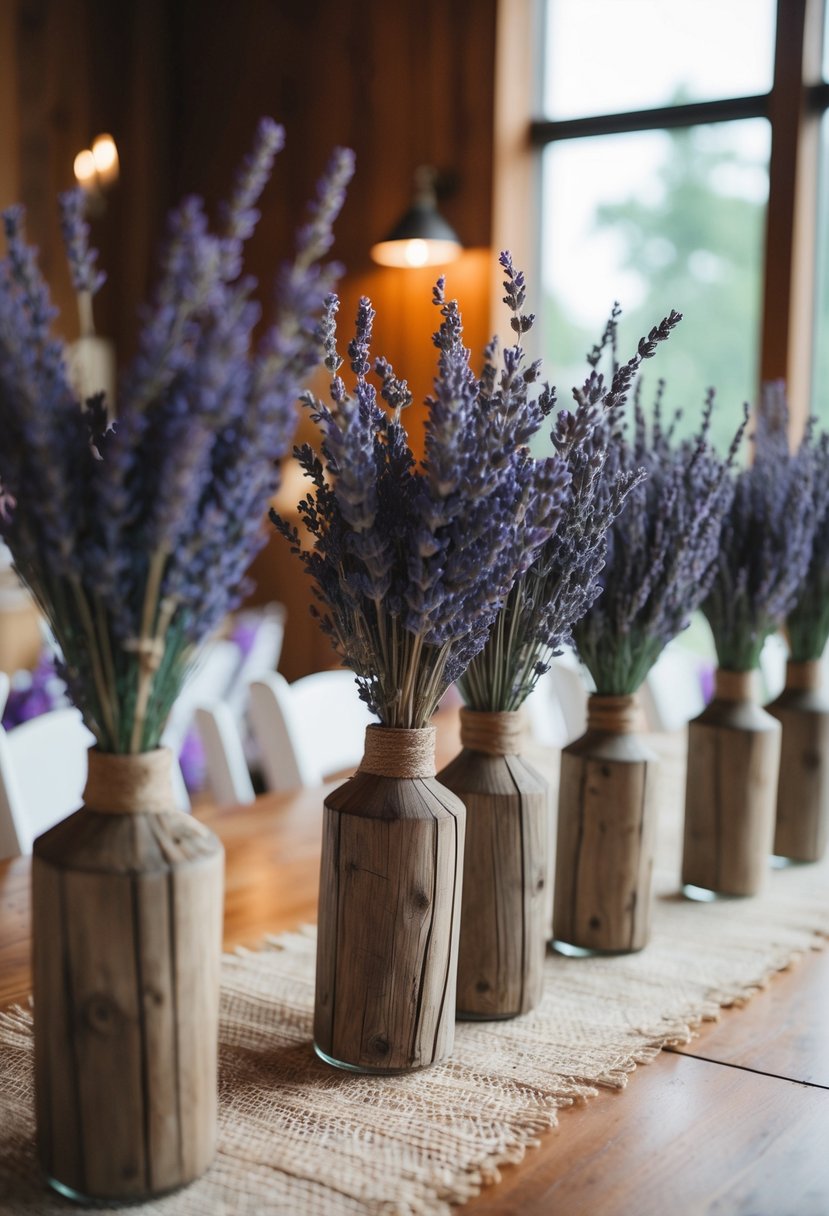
224, 755
208, 681
558, 706
42, 776
672, 693
262, 657
307, 730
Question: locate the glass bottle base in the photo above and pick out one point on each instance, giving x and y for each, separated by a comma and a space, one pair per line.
366, 1070
571, 951
704, 895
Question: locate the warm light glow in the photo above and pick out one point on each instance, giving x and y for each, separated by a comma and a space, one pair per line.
85, 169
415, 253
105, 155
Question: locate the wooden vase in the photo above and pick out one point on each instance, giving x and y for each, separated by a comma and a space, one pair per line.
127, 934
389, 914
606, 829
503, 937
802, 710
731, 789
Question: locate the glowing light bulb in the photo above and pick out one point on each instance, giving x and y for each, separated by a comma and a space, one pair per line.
416, 252
105, 155
85, 170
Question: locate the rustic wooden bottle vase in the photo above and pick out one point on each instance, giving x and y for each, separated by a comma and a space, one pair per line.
503, 937
731, 791
802, 710
606, 830
127, 931
389, 915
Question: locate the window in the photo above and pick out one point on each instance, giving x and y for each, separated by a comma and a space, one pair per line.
678, 142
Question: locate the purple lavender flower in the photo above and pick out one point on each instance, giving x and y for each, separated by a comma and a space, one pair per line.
85, 276
661, 550
135, 537
766, 541
563, 581
411, 564
807, 623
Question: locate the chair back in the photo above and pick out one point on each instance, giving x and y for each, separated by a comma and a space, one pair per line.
307, 730
224, 755
43, 766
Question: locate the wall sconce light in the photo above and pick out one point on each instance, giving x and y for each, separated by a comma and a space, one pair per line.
96, 169
422, 237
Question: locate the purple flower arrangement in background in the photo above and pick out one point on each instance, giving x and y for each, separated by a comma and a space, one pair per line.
662, 549
807, 623
412, 564
559, 587
766, 542
134, 535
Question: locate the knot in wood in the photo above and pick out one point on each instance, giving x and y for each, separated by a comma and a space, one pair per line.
613, 715
129, 784
734, 685
102, 1015
494, 734
804, 677
395, 752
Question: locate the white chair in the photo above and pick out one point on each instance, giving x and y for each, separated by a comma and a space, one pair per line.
228, 776
43, 766
308, 730
557, 707
262, 657
672, 693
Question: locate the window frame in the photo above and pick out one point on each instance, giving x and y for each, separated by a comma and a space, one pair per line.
794, 106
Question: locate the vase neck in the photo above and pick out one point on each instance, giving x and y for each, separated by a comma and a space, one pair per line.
130, 784
735, 685
494, 734
804, 677
613, 715
395, 752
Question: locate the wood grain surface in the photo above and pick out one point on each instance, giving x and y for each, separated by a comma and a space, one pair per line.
802, 822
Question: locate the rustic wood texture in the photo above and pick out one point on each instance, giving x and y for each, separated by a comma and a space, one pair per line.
126, 923
731, 790
389, 917
802, 819
604, 852
503, 931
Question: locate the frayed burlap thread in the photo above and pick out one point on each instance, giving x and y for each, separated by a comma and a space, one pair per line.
297, 1138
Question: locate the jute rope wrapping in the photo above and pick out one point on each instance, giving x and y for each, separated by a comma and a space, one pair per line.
735, 685
296, 1136
130, 784
494, 734
394, 752
804, 677
615, 715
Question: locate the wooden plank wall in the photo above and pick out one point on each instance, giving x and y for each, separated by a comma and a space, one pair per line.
180, 86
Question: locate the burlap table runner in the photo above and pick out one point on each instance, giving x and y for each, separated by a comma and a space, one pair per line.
300, 1139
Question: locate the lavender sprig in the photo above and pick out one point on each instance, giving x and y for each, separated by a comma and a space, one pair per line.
661, 550
807, 623
135, 537
766, 540
412, 563
559, 587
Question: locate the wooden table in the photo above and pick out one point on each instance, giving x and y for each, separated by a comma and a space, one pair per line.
735, 1123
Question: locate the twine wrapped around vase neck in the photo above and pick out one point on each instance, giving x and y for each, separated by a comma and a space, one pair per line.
734, 685
804, 677
130, 784
615, 715
396, 752
494, 734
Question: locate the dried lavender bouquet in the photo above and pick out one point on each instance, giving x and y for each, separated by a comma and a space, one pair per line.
412, 564
807, 623
661, 551
134, 536
558, 588
766, 543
